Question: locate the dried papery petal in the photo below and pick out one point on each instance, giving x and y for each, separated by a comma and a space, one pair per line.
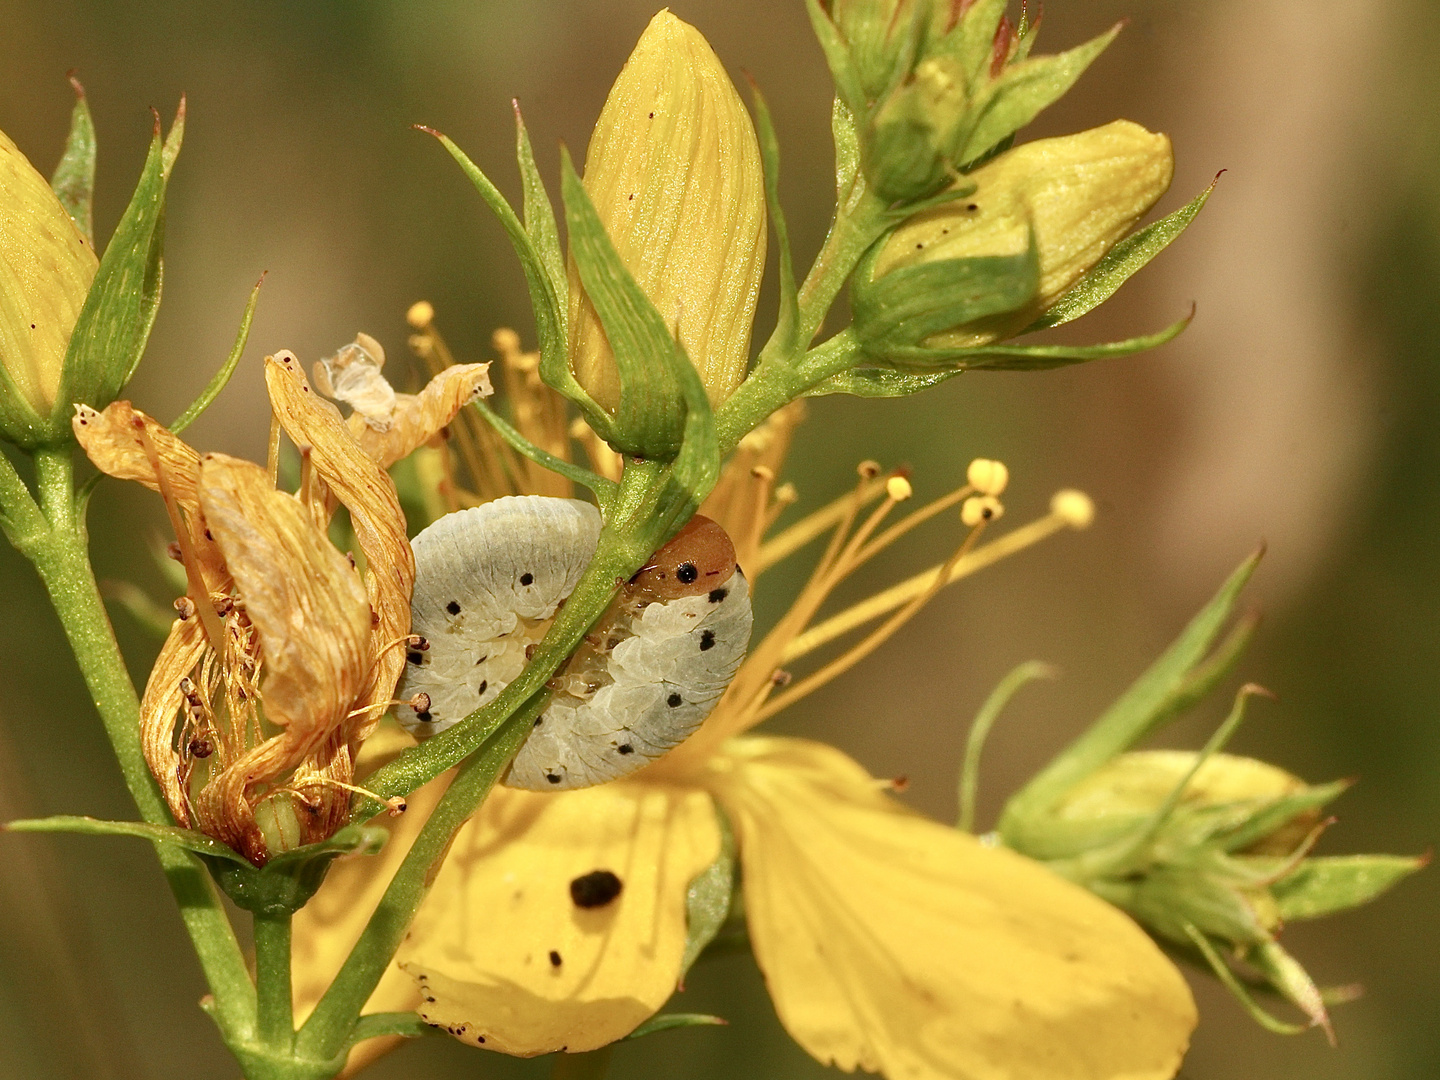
415, 419
183, 650
353, 376
113, 444
369, 494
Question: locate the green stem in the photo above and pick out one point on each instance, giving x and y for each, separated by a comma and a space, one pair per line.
331, 1027
771, 386
53, 537
855, 228
275, 1025
588, 1066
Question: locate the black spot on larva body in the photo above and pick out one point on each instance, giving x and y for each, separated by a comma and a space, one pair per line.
716, 595
453, 607
686, 573
707, 640
538, 721
425, 716
555, 960
527, 578
624, 748
674, 700
552, 777
484, 685
595, 889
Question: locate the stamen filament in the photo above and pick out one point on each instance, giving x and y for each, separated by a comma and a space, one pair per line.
272, 451
910, 521
812, 525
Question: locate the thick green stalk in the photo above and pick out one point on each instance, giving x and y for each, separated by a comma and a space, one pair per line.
275, 1024
331, 1027
53, 537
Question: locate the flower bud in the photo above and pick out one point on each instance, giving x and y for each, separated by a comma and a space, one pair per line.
674, 172
1074, 197
46, 267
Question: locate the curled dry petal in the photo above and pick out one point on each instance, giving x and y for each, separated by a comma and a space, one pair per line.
353, 376
112, 441
368, 493
182, 650
417, 418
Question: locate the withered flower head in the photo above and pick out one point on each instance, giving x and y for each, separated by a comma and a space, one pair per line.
285, 655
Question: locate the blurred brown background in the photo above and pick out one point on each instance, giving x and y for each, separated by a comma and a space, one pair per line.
1300, 408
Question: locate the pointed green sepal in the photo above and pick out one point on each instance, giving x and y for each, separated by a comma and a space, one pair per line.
540, 224
1323, 886
286, 883
187, 839
666, 1021
74, 179
707, 900
869, 382
1037, 357
227, 369
787, 323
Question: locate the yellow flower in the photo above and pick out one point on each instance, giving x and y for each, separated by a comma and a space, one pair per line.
888, 942
673, 169
46, 268
283, 659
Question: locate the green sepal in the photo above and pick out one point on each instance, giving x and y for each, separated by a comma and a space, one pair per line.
115, 321
285, 884
407, 1025
540, 224
846, 137
1323, 886
603, 488
666, 1021
837, 57
1273, 814
650, 419
1035, 357
972, 40
544, 295
1154, 698
1290, 979
870, 382
188, 839
227, 369
893, 314
787, 323
74, 179
1231, 981
1119, 264
1023, 91
707, 900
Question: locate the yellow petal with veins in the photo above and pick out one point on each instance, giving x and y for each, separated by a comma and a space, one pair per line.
417, 418
504, 956
894, 944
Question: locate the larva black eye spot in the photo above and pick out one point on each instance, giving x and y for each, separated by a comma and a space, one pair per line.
716, 595
555, 960
527, 579
415, 657
595, 889
453, 607
552, 777
624, 748
425, 716
674, 700
686, 573
707, 640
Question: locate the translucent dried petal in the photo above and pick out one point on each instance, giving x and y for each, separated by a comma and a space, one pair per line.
894, 944
512, 963
673, 169
353, 376
182, 650
415, 419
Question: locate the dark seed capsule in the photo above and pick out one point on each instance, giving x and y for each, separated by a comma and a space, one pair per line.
595, 889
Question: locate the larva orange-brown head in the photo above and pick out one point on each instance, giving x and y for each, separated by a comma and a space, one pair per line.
698, 560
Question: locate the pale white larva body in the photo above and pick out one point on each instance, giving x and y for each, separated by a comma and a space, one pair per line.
488, 582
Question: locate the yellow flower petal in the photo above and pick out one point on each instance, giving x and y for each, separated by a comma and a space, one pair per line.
894, 944
505, 957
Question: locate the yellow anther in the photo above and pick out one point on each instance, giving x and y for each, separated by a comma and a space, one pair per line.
979, 509
421, 314
988, 477
898, 488
1074, 508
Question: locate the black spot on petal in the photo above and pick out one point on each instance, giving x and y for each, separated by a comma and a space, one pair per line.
552, 777
425, 716
555, 960
686, 573
484, 684
415, 657
595, 889
707, 640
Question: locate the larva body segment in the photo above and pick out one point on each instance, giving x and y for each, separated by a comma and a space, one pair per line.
488, 583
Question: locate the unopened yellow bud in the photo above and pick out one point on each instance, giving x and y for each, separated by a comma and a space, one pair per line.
1078, 195
988, 477
673, 169
979, 509
46, 267
1074, 508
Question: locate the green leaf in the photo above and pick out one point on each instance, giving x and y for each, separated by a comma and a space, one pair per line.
665, 1021
867, 382
350, 840
222, 377
896, 312
707, 901
985, 719
1120, 264
1323, 886
1024, 90
787, 323
1149, 703
540, 215
649, 420
188, 839
1037, 357
74, 179
603, 488
115, 321
407, 1025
